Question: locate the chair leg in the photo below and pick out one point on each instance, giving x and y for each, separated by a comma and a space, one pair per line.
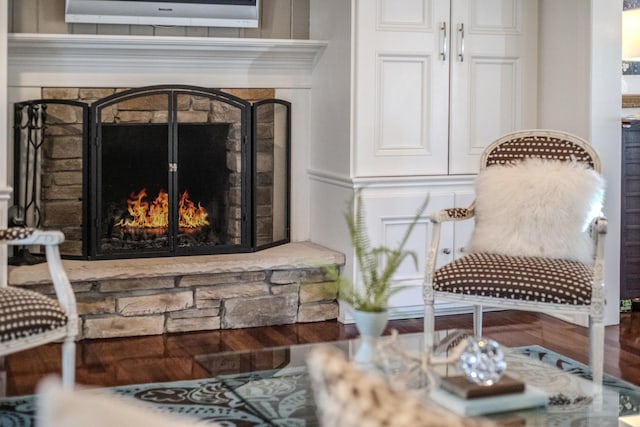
68, 363
596, 349
3, 377
477, 321
429, 326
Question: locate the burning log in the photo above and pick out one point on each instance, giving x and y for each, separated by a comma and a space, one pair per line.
153, 217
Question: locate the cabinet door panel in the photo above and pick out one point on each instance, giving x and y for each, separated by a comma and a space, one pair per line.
497, 16
389, 212
404, 14
493, 75
401, 119
401, 91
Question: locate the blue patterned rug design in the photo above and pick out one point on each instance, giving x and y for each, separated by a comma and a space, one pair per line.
629, 394
271, 398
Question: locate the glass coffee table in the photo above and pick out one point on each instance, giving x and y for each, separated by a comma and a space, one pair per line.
275, 383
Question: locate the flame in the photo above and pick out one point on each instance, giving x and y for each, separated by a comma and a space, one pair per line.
155, 215
189, 215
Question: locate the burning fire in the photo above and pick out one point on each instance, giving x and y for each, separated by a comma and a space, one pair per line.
155, 215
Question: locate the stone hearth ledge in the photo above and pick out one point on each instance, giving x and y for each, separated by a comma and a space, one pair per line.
289, 256
151, 296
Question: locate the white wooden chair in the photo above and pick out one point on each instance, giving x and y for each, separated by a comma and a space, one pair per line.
29, 319
551, 284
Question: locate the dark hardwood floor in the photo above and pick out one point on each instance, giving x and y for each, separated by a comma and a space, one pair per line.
172, 357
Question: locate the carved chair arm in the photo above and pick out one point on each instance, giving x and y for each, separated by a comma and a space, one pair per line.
51, 240
453, 214
437, 218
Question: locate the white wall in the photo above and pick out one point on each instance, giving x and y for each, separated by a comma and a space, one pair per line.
3, 95
563, 66
330, 128
4, 132
579, 84
605, 131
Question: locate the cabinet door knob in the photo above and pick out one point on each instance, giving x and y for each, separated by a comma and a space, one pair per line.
446, 251
461, 41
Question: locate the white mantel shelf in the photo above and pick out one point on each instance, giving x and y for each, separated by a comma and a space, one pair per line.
87, 60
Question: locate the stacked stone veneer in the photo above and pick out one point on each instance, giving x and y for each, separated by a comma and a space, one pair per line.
121, 298
62, 185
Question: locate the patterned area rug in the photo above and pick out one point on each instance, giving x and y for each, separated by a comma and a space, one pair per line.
283, 397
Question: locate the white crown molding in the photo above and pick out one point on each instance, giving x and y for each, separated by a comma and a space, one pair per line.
379, 182
89, 60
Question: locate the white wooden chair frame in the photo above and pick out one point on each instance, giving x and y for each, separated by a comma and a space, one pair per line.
66, 299
594, 310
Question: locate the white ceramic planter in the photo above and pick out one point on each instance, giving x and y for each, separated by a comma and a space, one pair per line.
370, 325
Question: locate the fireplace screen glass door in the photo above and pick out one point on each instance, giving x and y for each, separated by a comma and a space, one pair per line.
271, 172
134, 185
171, 177
154, 171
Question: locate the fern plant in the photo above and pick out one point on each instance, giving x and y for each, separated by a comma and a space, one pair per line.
376, 265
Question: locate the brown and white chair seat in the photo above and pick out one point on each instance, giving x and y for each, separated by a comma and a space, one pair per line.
25, 313
557, 281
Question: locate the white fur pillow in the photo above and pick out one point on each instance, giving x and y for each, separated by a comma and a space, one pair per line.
537, 208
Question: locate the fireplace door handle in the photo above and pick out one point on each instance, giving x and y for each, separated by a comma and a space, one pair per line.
443, 33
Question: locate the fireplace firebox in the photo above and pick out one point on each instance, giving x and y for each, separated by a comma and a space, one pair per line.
154, 171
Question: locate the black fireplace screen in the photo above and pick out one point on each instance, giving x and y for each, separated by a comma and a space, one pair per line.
162, 170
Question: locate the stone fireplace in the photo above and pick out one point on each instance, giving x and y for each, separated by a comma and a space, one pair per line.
223, 170
153, 295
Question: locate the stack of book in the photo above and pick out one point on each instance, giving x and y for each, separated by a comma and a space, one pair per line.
463, 397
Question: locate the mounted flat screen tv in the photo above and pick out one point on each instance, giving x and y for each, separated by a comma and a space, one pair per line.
201, 13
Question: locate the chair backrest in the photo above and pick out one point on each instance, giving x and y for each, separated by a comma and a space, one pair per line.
539, 143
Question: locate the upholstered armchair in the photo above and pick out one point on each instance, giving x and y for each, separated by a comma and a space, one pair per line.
29, 319
538, 238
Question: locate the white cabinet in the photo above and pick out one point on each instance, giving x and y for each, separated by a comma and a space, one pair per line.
436, 80
404, 99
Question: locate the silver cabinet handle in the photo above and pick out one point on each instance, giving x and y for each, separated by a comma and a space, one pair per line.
461, 42
443, 34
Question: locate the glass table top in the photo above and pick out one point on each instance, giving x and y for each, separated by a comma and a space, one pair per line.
276, 384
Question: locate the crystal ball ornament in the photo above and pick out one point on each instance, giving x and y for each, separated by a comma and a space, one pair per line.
482, 361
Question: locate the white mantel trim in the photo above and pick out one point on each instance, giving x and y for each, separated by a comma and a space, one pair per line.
85, 60
5, 191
